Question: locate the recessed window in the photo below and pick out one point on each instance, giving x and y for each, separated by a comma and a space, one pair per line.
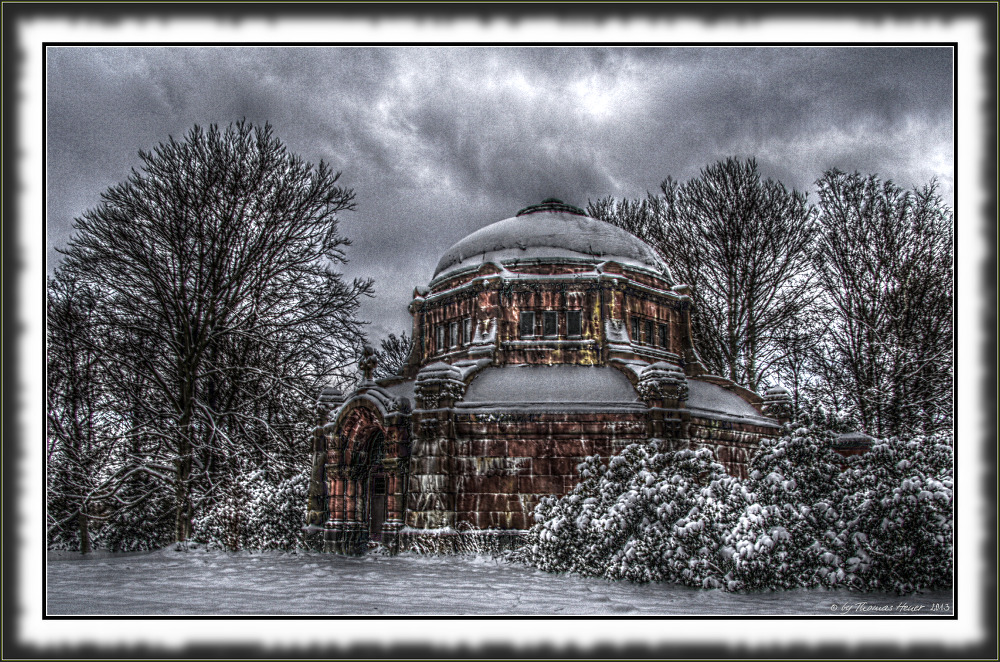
635, 330
440, 337
649, 338
453, 334
663, 336
527, 324
549, 324
467, 331
574, 323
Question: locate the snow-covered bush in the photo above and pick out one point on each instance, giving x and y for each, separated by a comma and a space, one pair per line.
562, 539
147, 526
805, 516
62, 530
758, 551
676, 516
649, 515
787, 535
257, 513
898, 506
138, 517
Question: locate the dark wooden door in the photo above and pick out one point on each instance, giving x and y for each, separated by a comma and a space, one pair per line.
377, 504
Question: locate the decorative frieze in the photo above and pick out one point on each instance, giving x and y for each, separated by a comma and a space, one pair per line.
778, 404
663, 383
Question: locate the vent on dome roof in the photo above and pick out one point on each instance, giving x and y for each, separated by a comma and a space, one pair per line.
552, 204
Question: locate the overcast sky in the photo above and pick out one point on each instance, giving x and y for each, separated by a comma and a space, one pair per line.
438, 142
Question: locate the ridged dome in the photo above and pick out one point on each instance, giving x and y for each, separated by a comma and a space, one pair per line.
551, 229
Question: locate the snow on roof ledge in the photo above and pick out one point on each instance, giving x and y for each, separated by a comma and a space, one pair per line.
712, 399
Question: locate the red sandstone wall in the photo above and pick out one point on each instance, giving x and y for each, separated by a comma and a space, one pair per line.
734, 443
501, 463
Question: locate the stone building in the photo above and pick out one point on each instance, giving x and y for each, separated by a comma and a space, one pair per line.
541, 339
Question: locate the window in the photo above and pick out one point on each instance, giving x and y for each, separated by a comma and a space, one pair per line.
635, 329
440, 338
549, 323
467, 331
663, 336
527, 324
650, 340
453, 334
574, 323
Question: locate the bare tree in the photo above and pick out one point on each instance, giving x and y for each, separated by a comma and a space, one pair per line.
885, 261
76, 445
744, 246
222, 307
392, 355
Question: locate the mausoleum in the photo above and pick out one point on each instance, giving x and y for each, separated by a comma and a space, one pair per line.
541, 339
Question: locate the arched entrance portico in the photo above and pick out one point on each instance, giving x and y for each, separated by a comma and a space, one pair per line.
364, 481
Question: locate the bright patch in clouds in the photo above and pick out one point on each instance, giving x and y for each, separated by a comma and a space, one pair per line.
595, 98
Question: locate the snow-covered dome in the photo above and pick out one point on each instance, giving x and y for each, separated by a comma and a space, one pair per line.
551, 229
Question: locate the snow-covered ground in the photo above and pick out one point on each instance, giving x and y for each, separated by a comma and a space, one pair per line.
200, 582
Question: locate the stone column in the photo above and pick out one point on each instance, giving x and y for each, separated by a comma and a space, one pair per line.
334, 529
432, 487
394, 508
355, 531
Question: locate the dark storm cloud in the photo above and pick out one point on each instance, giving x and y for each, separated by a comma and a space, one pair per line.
438, 142
803, 110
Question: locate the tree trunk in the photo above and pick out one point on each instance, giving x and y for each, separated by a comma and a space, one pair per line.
182, 488
83, 522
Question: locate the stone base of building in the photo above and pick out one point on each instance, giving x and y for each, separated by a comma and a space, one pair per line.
353, 538
347, 538
314, 538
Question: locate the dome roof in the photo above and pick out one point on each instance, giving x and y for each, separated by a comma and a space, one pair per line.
551, 229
